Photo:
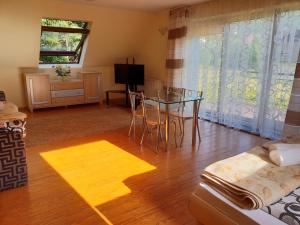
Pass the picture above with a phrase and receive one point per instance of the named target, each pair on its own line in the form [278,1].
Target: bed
[258,193]
[210,207]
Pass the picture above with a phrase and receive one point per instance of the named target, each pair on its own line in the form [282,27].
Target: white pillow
[285,154]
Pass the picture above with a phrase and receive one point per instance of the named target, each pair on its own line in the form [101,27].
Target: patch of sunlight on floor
[96,170]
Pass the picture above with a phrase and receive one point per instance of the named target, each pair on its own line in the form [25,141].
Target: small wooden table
[116,91]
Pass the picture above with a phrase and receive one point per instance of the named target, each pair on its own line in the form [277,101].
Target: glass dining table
[171,99]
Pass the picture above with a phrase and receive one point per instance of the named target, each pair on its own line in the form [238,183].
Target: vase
[63,78]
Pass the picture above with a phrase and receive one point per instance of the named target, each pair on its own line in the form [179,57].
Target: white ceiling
[149,5]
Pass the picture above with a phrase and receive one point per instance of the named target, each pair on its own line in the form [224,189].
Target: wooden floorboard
[157,197]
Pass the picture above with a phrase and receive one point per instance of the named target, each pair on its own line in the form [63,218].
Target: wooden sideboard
[44,92]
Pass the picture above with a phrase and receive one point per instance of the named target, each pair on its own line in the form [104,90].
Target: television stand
[132,87]
[116,91]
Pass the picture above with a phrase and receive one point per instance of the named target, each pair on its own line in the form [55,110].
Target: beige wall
[115,34]
[153,52]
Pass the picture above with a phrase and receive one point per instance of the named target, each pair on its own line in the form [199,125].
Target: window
[62,41]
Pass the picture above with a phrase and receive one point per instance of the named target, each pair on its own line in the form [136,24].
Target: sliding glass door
[245,52]
[203,71]
[246,71]
[284,56]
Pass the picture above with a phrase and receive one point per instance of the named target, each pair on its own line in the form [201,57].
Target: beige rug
[64,124]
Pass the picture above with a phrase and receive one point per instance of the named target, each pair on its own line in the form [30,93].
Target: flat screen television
[131,74]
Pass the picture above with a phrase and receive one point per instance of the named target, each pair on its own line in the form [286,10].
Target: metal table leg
[195,121]
[167,126]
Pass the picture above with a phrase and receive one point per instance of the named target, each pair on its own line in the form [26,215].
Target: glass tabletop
[166,97]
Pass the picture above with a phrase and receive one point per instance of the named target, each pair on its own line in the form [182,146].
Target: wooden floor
[157,196]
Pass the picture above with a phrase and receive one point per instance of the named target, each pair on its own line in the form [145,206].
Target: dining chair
[184,113]
[175,92]
[137,111]
[153,120]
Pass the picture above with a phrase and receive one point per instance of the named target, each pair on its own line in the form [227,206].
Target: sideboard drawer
[67,85]
[68,100]
[67,93]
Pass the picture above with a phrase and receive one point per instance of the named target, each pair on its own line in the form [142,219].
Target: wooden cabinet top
[36,74]
[89,72]
[71,80]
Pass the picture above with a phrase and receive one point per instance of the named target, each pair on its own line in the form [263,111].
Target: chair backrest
[133,96]
[189,106]
[155,105]
[188,92]
[186,106]
[143,105]
[174,90]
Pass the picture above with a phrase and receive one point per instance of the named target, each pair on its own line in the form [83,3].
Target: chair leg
[151,133]
[142,139]
[175,131]
[131,124]
[179,122]
[134,127]
[183,123]
[157,138]
[143,125]
[161,137]
[182,136]
[199,135]
[148,129]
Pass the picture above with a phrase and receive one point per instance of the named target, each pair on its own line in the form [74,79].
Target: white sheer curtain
[244,63]
[286,46]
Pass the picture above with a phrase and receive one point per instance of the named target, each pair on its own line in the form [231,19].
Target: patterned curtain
[292,120]
[176,46]
[242,55]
